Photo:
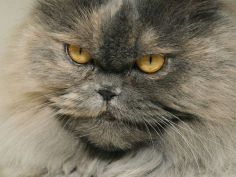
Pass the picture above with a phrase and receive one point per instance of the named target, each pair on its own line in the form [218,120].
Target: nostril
[107,94]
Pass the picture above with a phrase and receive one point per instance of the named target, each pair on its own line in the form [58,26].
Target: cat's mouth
[108,116]
[158,127]
[110,133]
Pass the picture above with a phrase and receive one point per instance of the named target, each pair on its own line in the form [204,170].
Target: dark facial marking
[119,40]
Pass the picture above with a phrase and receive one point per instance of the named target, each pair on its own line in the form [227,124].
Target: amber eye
[78,54]
[151,63]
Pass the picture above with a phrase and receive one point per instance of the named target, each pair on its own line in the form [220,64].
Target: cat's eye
[78,54]
[151,63]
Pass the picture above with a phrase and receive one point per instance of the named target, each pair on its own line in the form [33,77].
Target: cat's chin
[107,133]
[109,145]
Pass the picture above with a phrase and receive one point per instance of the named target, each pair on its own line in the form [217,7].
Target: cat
[121,88]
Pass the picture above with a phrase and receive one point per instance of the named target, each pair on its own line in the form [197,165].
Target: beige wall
[11,13]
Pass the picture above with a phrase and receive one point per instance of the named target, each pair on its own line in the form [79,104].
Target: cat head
[110,100]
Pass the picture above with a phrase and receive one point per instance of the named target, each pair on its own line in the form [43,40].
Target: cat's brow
[89,29]
[91,21]
[149,40]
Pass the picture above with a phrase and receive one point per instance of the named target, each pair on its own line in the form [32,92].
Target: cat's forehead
[110,30]
[152,12]
[120,20]
[120,30]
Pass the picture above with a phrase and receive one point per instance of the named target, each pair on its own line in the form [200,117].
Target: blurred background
[11,14]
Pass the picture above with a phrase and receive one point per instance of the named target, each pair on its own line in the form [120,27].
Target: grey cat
[121,88]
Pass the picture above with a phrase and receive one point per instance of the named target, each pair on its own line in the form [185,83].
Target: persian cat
[121,88]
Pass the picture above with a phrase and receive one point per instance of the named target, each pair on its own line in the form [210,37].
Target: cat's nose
[107,94]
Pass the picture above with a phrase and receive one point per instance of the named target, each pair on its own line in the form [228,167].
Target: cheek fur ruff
[33,143]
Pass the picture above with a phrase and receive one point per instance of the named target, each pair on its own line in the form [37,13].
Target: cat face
[110,102]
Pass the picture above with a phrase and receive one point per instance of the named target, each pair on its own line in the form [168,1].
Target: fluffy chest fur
[109,118]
